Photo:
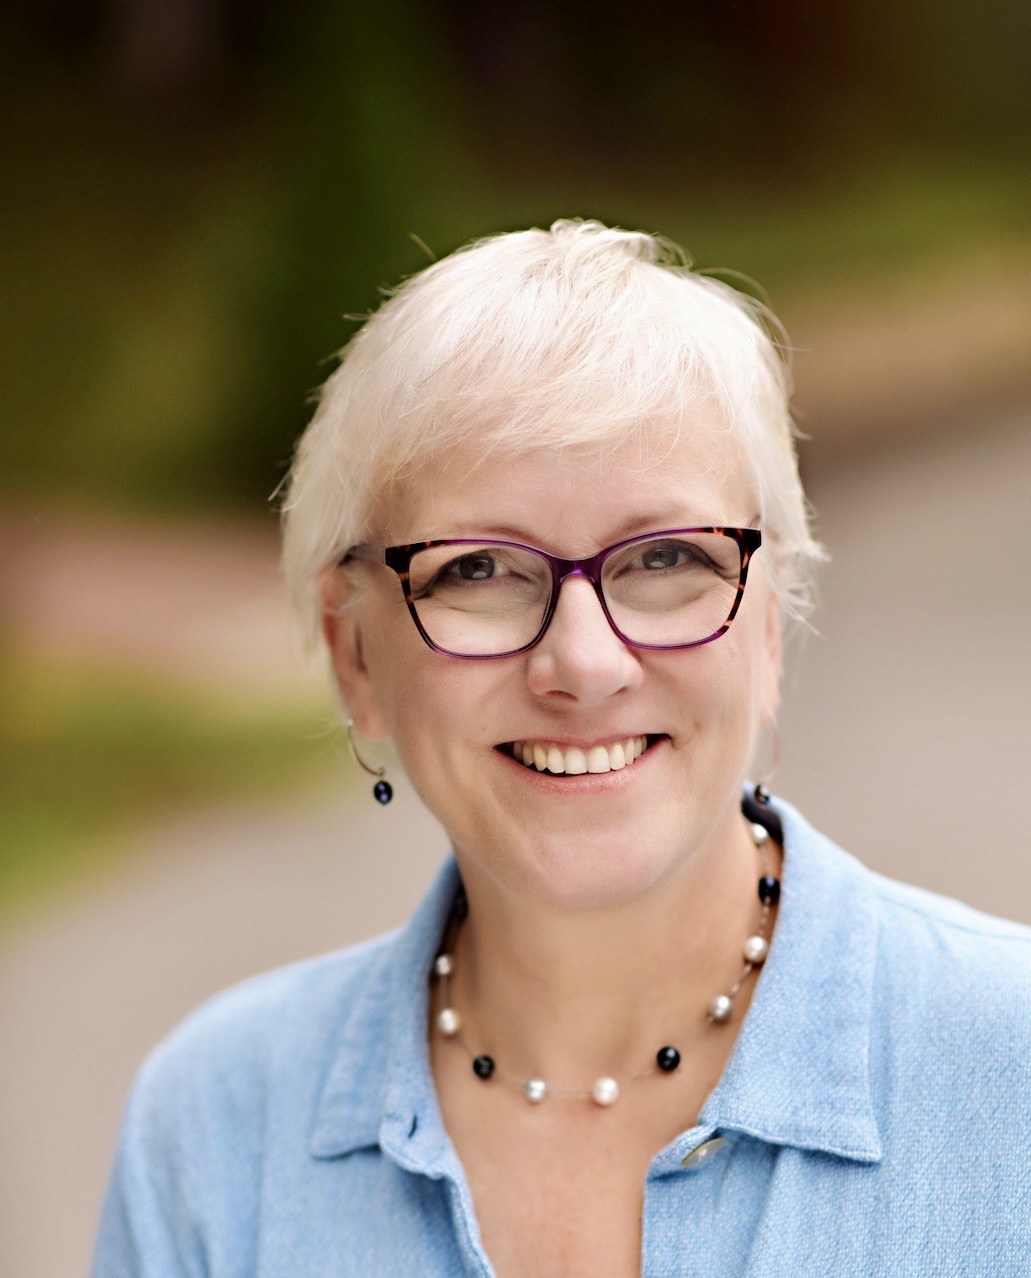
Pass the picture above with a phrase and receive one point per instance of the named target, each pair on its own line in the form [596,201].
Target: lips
[574,760]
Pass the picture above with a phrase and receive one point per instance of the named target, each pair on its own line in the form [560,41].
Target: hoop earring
[761,791]
[382,791]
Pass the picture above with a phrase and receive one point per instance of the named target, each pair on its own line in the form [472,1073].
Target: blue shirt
[875,1114]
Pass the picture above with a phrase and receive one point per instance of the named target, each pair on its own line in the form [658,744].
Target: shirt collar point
[856,1138]
[371,1095]
[326,1145]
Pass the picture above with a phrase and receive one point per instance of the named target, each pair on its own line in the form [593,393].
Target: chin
[592,871]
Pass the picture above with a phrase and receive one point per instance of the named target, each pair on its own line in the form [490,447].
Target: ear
[342,630]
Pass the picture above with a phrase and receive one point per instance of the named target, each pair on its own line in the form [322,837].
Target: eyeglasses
[473,597]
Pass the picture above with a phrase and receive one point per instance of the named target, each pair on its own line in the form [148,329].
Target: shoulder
[301,1000]
[951,1004]
[236,1082]
[279,1029]
[925,933]
[302,991]
[921,1008]
[930,938]
[947,988]
[256,1058]
[231,1113]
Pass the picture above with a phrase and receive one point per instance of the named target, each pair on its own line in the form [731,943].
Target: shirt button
[703,1151]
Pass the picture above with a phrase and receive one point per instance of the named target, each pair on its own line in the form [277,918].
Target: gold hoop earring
[382,791]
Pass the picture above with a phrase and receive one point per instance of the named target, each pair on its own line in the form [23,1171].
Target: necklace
[606,1090]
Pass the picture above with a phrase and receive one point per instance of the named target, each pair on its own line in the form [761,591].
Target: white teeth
[575,761]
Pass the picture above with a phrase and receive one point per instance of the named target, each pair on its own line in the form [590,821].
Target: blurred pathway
[210,899]
[906,718]
[905,736]
[201,601]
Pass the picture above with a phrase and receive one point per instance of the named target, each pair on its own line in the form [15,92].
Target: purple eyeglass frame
[399,559]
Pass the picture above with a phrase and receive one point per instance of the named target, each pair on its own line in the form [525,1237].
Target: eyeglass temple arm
[373,554]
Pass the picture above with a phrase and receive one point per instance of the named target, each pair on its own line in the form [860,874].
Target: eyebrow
[658,521]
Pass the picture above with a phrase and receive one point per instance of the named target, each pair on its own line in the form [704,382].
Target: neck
[569,994]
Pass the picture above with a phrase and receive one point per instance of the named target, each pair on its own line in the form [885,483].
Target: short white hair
[578,335]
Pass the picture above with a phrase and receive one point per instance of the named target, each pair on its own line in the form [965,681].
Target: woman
[548,521]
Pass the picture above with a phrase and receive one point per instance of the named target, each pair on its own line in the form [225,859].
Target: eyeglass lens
[488,599]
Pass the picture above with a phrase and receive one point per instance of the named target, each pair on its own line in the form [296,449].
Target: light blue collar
[799,1074]
[800,1071]
[379,1090]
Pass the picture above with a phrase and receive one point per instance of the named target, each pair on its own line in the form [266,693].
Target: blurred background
[200,196]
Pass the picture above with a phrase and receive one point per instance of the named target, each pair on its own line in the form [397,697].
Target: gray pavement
[208,901]
[905,737]
[906,720]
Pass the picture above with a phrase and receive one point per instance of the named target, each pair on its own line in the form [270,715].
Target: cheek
[444,718]
[721,691]
[433,706]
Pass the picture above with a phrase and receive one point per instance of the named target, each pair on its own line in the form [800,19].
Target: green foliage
[177,270]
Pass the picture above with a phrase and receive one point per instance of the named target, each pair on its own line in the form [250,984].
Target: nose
[580,657]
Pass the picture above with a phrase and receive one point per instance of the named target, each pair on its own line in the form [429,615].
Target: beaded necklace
[605,1090]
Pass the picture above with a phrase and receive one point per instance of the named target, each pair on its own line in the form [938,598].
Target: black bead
[483,1066]
[383,791]
[460,909]
[667,1059]
[769,890]
[762,795]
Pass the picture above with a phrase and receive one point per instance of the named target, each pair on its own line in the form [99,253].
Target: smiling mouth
[559,760]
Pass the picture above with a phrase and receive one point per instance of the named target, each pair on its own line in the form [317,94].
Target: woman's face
[581,841]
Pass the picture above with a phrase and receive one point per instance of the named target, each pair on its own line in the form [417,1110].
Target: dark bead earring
[382,791]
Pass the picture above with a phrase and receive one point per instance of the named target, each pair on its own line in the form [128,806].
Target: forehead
[576,500]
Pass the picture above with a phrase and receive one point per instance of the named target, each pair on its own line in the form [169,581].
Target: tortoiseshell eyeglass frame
[399,559]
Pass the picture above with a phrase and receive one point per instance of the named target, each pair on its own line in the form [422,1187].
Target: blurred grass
[89,755]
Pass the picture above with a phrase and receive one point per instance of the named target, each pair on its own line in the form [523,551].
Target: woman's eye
[664,556]
[473,567]
[477,568]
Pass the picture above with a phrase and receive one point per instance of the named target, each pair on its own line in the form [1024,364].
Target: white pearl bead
[605,1091]
[721,1007]
[535,1090]
[755,949]
[759,833]
[443,965]
[448,1022]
